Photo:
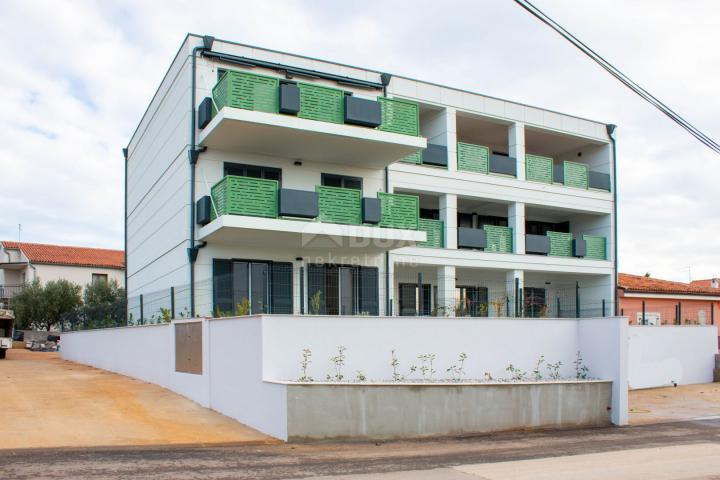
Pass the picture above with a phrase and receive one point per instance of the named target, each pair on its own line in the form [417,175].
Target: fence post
[557,302]
[712,313]
[577,299]
[679,313]
[507,306]
[603,307]
[420,294]
[517,297]
[644,320]
[142,322]
[172,302]
[302,290]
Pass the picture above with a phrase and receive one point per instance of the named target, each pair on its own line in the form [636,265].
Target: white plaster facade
[158,221]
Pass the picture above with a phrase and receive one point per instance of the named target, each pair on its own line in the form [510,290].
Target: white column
[516,147]
[387,279]
[510,278]
[297,281]
[516,221]
[441,129]
[446,291]
[451,138]
[448,214]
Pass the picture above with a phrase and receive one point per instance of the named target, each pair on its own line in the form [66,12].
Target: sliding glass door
[251,287]
[342,290]
[409,299]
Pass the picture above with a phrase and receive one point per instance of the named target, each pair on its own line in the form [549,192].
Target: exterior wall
[244,357]
[79,275]
[660,357]
[157,193]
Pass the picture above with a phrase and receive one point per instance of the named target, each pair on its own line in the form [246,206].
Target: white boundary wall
[659,356]
[245,359]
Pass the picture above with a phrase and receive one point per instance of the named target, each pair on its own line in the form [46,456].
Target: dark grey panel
[204,113]
[558,174]
[298,203]
[579,247]
[435,155]
[289,98]
[503,165]
[362,111]
[599,180]
[203,212]
[471,238]
[537,244]
[371,210]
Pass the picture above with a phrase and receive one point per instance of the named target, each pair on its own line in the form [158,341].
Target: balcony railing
[435,230]
[499,239]
[561,244]
[262,93]
[7,292]
[571,174]
[256,197]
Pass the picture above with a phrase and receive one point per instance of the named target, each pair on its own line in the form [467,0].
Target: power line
[624,79]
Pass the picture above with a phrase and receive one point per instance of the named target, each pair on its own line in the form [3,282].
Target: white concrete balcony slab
[284,233]
[286,136]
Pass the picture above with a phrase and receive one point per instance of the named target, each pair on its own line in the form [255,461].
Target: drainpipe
[125,155]
[611,133]
[385,80]
[193,154]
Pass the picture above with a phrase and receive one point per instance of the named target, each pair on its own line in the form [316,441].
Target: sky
[77,76]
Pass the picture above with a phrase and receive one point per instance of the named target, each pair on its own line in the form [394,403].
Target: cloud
[77,76]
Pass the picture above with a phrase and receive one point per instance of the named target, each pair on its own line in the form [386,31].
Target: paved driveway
[49,402]
[671,404]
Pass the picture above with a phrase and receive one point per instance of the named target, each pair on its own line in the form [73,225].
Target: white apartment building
[264,182]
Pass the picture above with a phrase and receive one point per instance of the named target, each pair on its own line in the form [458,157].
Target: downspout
[125,155]
[385,80]
[611,133]
[193,154]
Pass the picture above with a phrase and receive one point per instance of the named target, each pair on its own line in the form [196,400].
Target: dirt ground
[49,402]
[687,402]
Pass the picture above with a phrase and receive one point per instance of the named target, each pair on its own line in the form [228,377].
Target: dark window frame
[272,302]
[365,299]
[264,170]
[96,278]
[343,178]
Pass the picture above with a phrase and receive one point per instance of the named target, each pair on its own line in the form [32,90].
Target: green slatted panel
[472,158]
[596,247]
[499,239]
[248,91]
[400,116]
[538,169]
[399,211]
[254,197]
[320,103]
[560,244]
[435,232]
[340,205]
[576,174]
[415,158]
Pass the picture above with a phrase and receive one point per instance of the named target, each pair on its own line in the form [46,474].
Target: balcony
[435,231]
[7,292]
[561,244]
[258,212]
[478,159]
[258,114]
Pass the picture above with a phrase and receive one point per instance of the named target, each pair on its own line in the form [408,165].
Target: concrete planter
[387,411]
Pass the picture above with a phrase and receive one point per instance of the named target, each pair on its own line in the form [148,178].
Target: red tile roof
[641,284]
[64,255]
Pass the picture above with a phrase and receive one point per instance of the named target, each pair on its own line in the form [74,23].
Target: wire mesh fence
[653,312]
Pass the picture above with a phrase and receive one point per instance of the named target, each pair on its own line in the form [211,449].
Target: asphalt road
[325,459]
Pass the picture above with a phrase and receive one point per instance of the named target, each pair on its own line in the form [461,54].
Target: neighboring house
[22,262]
[317,187]
[651,301]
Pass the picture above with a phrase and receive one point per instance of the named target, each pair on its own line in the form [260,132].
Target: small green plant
[581,370]
[242,308]
[456,369]
[395,364]
[488,377]
[315,302]
[554,370]
[426,365]
[515,373]
[360,377]
[498,304]
[304,364]
[166,315]
[537,372]
[338,362]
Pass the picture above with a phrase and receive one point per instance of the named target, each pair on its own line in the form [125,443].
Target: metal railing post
[302,290]
[141,310]
[577,299]
[679,313]
[517,296]
[712,313]
[557,306]
[419,294]
[172,302]
[603,307]
[644,319]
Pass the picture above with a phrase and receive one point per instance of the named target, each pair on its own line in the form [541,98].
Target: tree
[42,307]
[102,293]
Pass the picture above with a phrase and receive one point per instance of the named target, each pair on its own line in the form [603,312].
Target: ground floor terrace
[231,282]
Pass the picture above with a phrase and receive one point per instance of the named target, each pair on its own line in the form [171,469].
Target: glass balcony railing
[256,197]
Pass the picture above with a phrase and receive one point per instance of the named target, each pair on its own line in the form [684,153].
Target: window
[471,301]
[341,181]
[541,228]
[99,278]
[431,213]
[409,299]
[267,286]
[254,171]
[342,290]
[534,302]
